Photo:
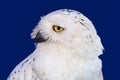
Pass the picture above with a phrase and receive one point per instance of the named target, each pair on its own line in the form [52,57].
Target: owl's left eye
[57,28]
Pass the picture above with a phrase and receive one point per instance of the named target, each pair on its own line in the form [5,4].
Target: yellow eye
[57,28]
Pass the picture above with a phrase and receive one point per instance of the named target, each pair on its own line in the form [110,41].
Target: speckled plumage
[69,55]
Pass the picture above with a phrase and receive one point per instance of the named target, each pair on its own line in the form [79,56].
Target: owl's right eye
[57,28]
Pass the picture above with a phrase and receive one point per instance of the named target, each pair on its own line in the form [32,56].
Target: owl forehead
[65,12]
[62,17]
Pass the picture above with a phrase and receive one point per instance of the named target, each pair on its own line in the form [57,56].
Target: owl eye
[57,28]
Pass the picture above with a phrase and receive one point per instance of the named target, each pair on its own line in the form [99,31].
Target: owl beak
[39,38]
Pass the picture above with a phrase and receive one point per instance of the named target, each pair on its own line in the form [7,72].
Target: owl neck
[69,49]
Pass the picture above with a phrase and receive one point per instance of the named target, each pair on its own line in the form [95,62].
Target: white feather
[69,55]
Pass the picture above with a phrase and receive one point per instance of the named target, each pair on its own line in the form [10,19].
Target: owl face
[67,27]
[58,27]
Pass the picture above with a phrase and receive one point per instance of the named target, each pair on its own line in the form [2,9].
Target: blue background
[19,17]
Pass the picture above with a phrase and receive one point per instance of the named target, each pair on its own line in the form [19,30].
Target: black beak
[39,38]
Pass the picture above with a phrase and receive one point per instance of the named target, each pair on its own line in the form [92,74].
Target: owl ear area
[37,36]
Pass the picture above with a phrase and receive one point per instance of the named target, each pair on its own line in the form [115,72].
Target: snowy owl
[67,48]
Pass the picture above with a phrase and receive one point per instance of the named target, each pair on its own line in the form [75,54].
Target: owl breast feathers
[67,48]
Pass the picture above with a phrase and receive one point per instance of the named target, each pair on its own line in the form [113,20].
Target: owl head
[69,28]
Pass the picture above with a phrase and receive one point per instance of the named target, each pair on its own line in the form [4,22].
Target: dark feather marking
[82,19]
[33,59]
[15,72]
[26,61]
[82,23]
